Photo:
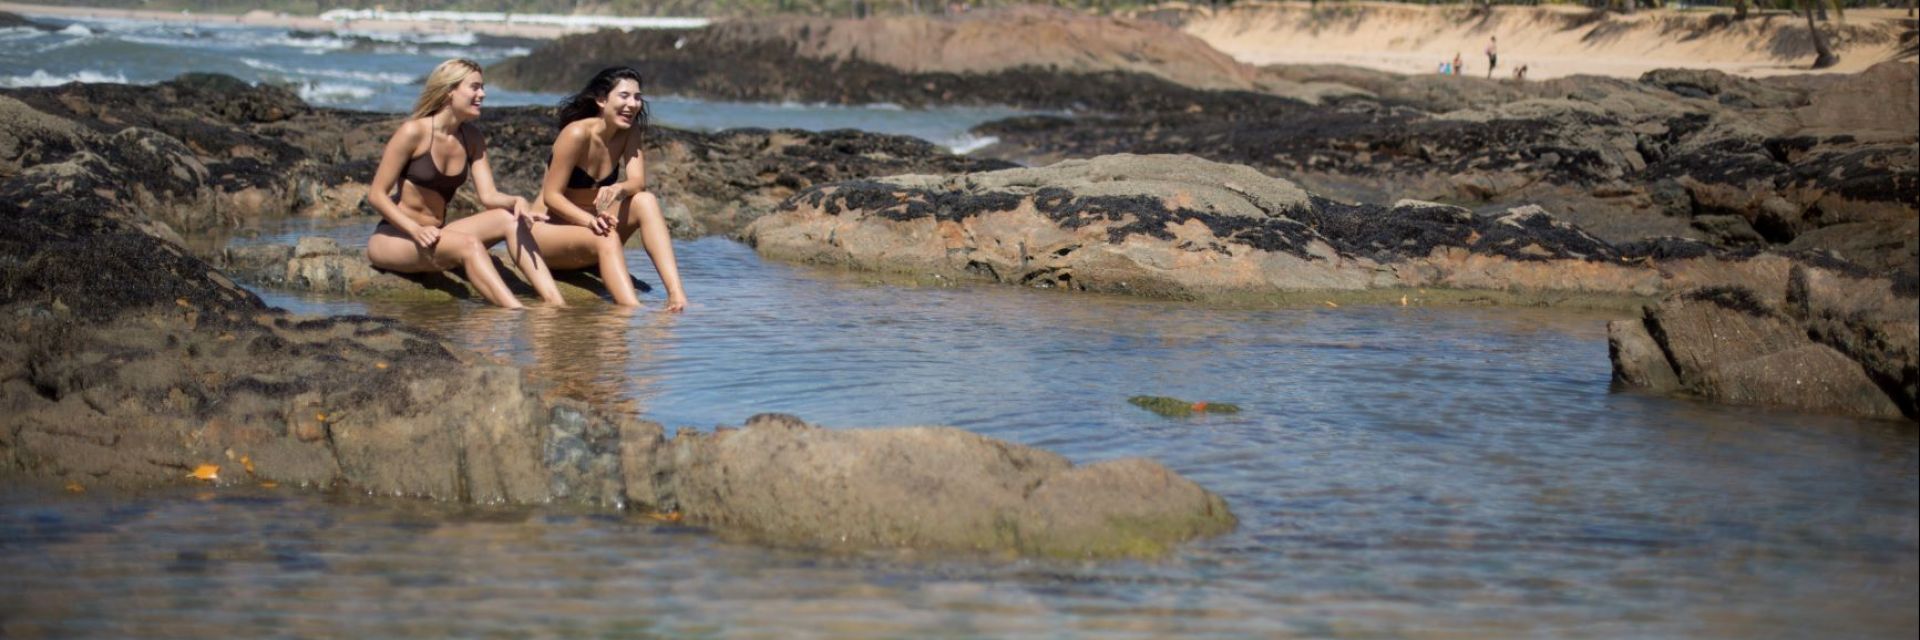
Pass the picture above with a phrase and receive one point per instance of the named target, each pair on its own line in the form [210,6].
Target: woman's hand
[607,197]
[676,302]
[425,236]
[604,223]
[525,212]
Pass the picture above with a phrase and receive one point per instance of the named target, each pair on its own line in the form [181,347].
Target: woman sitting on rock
[424,164]
[593,211]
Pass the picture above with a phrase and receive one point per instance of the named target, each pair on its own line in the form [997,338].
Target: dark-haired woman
[593,209]
[424,164]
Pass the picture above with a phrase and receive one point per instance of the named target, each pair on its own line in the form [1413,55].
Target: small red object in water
[1200,406]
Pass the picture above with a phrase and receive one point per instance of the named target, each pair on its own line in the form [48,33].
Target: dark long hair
[585,104]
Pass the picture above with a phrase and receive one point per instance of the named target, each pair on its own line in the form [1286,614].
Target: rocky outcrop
[10,20]
[1831,340]
[1185,227]
[1066,58]
[126,362]
[1735,162]
[209,152]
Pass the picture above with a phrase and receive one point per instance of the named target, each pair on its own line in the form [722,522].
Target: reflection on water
[1398,472]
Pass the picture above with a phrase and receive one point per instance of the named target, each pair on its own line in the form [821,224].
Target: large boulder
[1832,340]
[781,480]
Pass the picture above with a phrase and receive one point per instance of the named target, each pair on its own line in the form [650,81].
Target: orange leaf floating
[1332,304]
[670,516]
[206,472]
[1199,407]
[268,484]
[76,487]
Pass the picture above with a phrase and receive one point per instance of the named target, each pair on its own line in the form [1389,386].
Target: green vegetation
[1177,408]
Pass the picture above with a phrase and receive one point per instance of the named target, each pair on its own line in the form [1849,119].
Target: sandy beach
[1553,41]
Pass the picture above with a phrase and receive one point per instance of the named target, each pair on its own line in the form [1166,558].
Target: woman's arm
[636,168]
[380,192]
[567,151]
[489,195]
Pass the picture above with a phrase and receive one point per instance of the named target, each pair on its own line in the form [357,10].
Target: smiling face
[621,106]
[467,96]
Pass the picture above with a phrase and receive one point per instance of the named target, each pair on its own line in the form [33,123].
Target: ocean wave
[333,93]
[378,77]
[40,78]
[76,30]
[966,143]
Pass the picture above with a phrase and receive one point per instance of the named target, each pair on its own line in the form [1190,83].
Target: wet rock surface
[321,265]
[223,152]
[125,361]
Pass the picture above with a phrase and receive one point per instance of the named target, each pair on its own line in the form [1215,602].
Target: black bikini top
[580,179]
[423,173]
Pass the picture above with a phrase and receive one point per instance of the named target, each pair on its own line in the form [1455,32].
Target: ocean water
[1398,472]
[381,72]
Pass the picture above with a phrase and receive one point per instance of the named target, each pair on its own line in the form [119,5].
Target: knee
[608,244]
[643,205]
[464,245]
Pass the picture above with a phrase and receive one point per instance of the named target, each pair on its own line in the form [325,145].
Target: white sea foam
[966,143]
[379,77]
[334,93]
[76,30]
[40,78]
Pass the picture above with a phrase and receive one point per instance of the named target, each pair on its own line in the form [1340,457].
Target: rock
[1833,339]
[10,20]
[1069,59]
[1185,227]
[321,265]
[780,480]
[1637,359]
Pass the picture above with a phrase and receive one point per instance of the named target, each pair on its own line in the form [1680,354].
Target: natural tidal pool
[1397,471]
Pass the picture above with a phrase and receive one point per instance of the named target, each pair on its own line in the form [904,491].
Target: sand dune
[1551,41]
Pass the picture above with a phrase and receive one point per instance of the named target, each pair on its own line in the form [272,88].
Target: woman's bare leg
[394,251]
[574,247]
[642,213]
[495,225]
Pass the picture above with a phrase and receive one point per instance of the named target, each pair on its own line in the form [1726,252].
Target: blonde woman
[425,162]
[594,211]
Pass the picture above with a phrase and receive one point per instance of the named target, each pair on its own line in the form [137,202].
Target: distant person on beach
[425,163]
[593,210]
[1520,72]
[1457,63]
[1493,54]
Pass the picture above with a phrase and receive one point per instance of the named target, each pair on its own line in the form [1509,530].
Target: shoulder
[413,130]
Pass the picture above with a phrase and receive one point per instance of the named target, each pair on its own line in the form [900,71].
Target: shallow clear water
[1398,472]
[381,72]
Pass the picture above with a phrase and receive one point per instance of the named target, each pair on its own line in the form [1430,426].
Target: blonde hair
[440,85]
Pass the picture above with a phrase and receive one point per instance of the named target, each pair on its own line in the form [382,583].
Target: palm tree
[1823,55]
